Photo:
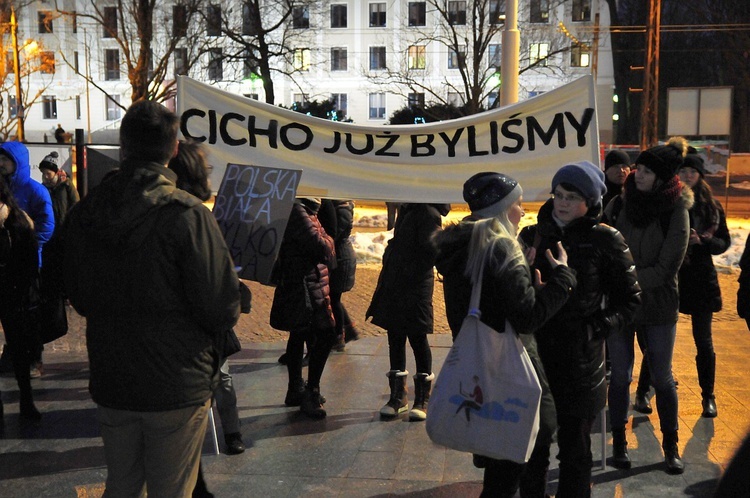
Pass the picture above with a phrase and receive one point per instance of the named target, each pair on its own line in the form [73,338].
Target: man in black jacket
[571,344]
[146,264]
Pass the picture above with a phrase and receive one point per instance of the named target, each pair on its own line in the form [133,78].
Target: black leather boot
[311,404]
[620,457]
[706,366]
[672,454]
[642,404]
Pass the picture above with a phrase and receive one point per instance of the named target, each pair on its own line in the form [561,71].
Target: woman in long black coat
[402,304]
[700,295]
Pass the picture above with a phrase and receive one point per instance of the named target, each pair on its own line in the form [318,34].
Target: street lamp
[17,71]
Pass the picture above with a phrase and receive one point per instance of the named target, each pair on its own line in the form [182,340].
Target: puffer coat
[302,297]
[403,296]
[571,344]
[698,282]
[506,295]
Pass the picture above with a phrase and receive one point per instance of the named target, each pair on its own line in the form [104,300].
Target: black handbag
[231,344]
[52,319]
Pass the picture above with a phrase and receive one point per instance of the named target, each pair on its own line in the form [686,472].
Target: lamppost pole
[509,55]
[17,72]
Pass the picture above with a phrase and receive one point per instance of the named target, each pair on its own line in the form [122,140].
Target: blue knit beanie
[585,177]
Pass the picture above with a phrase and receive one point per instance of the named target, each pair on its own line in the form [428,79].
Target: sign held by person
[252,208]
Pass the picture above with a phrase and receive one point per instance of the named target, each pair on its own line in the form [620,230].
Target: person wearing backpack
[652,194]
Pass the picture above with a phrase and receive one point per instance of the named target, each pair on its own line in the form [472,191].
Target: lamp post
[17,70]
[509,56]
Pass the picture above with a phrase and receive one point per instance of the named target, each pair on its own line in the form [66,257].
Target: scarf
[642,208]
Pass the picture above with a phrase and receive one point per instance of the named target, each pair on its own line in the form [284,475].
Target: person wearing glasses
[571,343]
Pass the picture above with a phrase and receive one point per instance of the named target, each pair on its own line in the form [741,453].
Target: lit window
[580,55]
[47,62]
[417,55]
[538,53]
[302,59]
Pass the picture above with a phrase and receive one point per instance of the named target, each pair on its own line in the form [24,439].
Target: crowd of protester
[615,255]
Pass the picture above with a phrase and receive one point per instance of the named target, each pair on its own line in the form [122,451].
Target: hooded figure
[30,195]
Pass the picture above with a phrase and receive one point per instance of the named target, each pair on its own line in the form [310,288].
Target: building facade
[370,57]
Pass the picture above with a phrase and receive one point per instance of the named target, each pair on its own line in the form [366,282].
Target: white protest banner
[529,141]
[252,208]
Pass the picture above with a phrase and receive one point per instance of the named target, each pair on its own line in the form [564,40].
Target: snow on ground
[369,243]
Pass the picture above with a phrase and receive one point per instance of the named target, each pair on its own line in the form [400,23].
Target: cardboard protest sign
[252,208]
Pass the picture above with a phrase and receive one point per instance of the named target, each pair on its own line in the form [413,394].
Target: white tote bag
[486,397]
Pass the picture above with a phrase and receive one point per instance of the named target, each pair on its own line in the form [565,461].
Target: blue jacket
[30,195]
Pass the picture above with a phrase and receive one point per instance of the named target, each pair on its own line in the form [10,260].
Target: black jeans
[502,478]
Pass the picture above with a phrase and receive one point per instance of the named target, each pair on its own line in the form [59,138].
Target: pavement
[352,452]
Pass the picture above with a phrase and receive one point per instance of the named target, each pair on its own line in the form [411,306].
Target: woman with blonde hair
[486,241]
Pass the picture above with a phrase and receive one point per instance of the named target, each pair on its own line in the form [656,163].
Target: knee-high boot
[706,366]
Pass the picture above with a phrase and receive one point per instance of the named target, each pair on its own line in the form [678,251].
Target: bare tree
[148,36]
[270,39]
[471,38]
[32,65]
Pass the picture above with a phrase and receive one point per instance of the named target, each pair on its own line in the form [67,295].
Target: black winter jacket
[507,295]
[147,266]
[302,297]
[337,218]
[403,296]
[697,280]
[571,344]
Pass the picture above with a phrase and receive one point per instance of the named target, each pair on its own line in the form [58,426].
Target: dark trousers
[319,342]
[574,442]
[502,478]
[419,344]
[21,342]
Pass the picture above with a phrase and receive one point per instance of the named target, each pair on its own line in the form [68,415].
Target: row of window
[49,107]
[417,16]
[416,60]
[417,57]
